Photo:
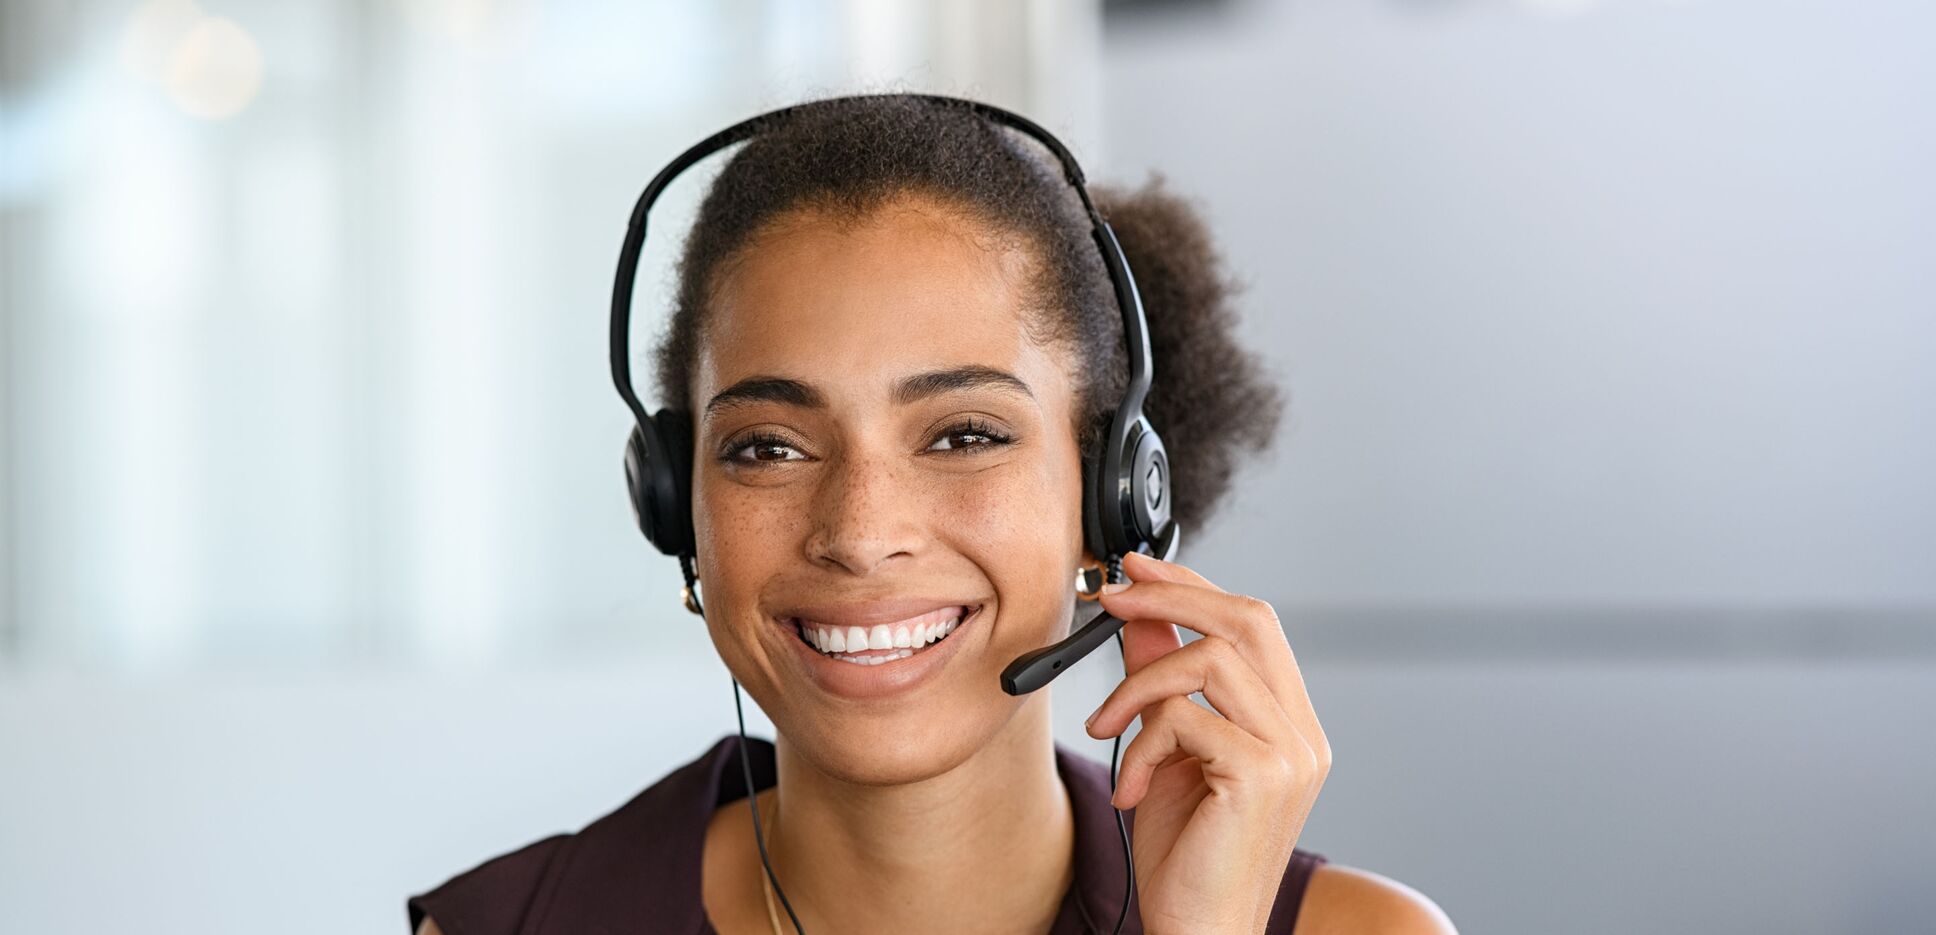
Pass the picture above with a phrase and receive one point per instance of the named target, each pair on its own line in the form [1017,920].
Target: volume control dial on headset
[1149,479]
[1138,511]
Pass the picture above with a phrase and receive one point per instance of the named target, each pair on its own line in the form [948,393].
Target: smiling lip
[874,682]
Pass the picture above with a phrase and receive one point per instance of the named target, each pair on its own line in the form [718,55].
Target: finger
[1145,641]
[1245,622]
[1226,753]
[1210,665]
[1241,619]
[1141,567]
[1248,623]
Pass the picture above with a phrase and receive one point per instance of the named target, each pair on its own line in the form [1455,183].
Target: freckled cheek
[1017,530]
[744,537]
[998,513]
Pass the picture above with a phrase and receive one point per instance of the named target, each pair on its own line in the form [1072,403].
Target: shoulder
[1342,899]
[489,898]
[563,882]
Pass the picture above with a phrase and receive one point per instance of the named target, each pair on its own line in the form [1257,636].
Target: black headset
[1126,500]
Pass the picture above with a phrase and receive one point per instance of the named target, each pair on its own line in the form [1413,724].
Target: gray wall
[1632,307]
[1602,520]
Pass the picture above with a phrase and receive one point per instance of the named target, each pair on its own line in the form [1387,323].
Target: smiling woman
[899,349]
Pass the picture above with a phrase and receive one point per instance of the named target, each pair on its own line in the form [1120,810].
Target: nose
[863,516]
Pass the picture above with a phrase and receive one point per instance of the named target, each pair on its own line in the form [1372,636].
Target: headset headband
[1135,325]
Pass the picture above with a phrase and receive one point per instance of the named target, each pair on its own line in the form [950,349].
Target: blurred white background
[1600,522]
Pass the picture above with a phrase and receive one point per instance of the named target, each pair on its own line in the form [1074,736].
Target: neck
[988,846]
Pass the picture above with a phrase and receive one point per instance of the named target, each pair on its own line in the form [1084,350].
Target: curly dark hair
[844,158]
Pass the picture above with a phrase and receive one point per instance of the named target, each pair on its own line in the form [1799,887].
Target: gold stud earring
[691,600]
[1089,581]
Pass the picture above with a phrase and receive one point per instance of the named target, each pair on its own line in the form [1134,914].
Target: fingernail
[1116,587]
[1092,717]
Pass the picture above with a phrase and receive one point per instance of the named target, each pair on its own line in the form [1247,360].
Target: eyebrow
[912,389]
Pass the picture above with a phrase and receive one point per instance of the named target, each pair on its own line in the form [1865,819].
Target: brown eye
[984,436]
[768,449]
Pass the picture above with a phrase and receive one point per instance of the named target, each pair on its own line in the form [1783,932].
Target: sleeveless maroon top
[637,868]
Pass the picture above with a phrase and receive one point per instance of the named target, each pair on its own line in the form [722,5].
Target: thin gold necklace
[772,915]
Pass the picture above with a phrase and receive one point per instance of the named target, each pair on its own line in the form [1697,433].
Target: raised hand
[1221,796]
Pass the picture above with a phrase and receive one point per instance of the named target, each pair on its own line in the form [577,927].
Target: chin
[890,752]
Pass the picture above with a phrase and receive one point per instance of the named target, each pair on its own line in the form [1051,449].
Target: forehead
[853,307]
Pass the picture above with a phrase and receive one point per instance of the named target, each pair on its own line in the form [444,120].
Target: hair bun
[1210,399]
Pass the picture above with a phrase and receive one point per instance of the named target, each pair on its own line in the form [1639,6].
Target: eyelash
[965,427]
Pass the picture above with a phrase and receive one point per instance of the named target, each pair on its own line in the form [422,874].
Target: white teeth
[907,639]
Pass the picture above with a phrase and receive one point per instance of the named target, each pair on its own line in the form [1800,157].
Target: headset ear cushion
[675,430]
[660,486]
[1093,506]
[636,483]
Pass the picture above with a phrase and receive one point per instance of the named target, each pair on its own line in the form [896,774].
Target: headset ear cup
[1129,490]
[659,485]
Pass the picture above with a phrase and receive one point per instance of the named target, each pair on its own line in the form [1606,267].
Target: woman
[863,242]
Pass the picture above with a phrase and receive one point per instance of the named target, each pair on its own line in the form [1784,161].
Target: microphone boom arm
[1037,668]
